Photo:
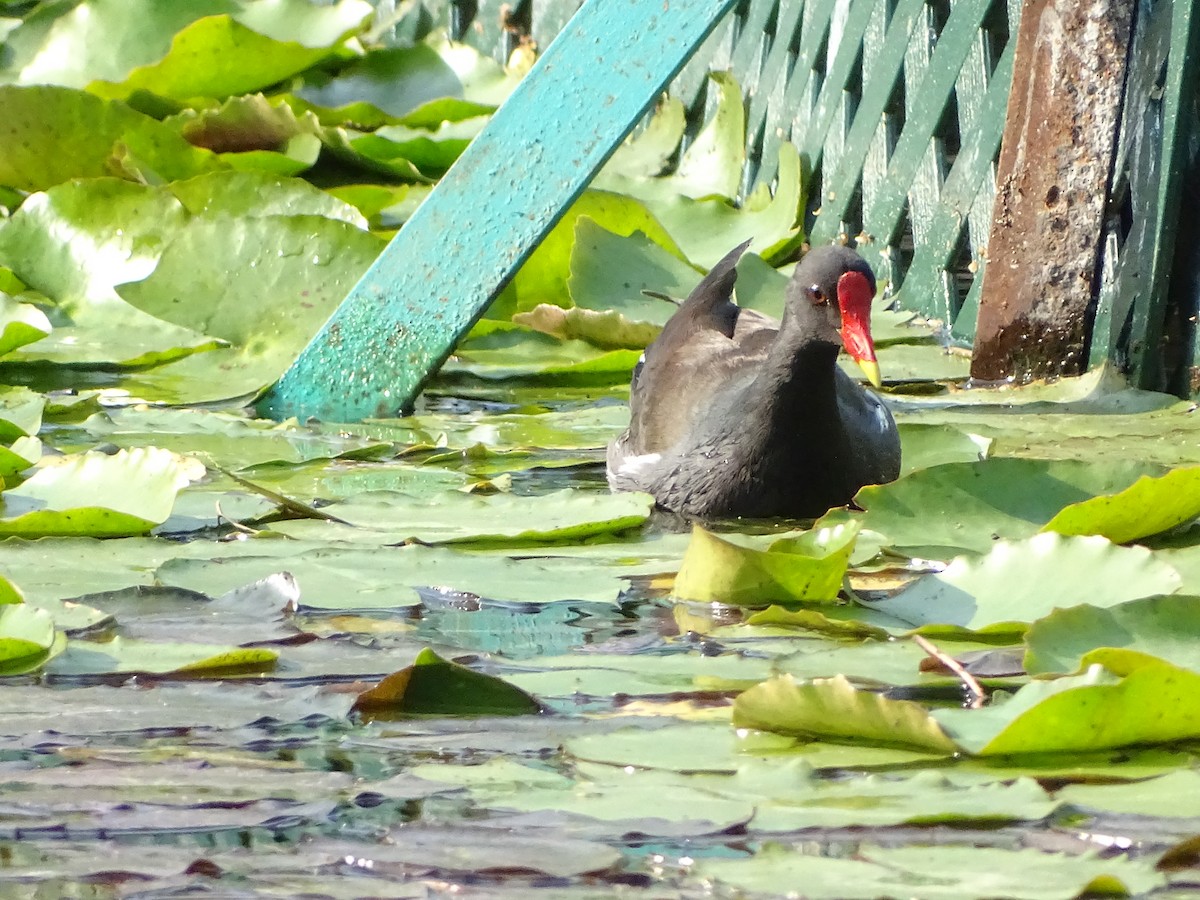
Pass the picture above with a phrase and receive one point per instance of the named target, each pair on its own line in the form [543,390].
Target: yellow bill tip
[870,368]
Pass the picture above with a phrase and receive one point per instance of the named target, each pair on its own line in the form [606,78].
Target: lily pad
[52,134]
[832,709]
[986,501]
[248,194]
[102,496]
[544,275]
[128,657]
[26,637]
[942,871]
[1120,638]
[1020,581]
[809,567]
[20,324]
[389,518]
[20,412]
[217,56]
[226,276]
[610,272]
[75,243]
[107,38]
[1154,704]
[435,686]
[1146,507]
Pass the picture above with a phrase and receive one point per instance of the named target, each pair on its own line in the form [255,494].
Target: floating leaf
[9,592]
[986,501]
[610,272]
[226,276]
[809,567]
[1154,704]
[607,330]
[75,243]
[543,277]
[128,656]
[107,38]
[49,135]
[20,412]
[18,457]
[93,494]
[1020,581]
[435,686]
[647,153]
[20,324]
[385,517]
[1146,507]
[27,636]
[932,872]
[833,709]
[216,57]
[926,446]
[1121,638]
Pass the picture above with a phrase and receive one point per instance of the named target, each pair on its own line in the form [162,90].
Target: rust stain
[1054,168]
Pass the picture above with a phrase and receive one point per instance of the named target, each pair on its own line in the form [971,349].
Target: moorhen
[735,414]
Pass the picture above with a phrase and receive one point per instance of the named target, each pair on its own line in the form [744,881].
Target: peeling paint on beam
[1052,179]
[515,180]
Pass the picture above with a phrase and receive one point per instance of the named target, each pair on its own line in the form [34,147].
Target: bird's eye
[816,295]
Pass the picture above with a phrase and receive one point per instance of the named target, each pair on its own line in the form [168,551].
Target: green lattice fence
[897,108]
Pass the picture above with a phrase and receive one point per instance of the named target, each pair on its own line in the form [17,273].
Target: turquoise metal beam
[515,180]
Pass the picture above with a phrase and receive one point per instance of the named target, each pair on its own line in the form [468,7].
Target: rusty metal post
[1052,179]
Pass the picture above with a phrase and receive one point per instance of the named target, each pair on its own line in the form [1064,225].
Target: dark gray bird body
[734,414]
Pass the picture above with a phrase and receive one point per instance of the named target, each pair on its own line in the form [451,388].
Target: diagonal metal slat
[511,185]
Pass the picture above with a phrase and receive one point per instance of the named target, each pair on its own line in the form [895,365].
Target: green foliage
[192,599]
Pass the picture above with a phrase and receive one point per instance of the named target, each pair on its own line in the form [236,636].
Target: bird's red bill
[854,299]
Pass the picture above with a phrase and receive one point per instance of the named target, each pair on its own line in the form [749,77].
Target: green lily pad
[1146,507]
[1020,581]
[606,330]
[226,276]
[388,518]
[926,446]
[387,84]
[337,577]
[610,272]
[256,195]
[435,686]
[833,709]
[647,153]
[20,324]
[932,872]
[1120,638]
[107,38]
[10,593]
[296,155]
[543,277]
[19,456]
[1151,797]
[102,496]
[27,638]
[707,229]
[75,243]
[128,656]
[52,134]
[1154,704]
[217,56]
[809,567]
[20,412]
[518,352]
[229,441]
[986,501]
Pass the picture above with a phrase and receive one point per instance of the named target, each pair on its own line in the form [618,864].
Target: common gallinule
[735,414]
